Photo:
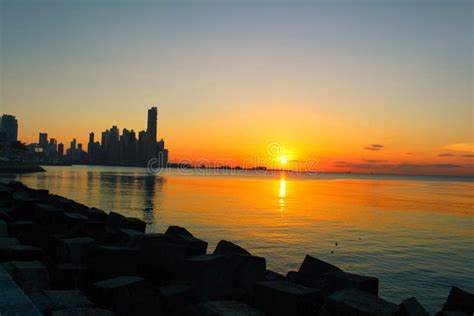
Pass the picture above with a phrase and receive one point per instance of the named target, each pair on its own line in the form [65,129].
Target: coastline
[89,256]
[11,167]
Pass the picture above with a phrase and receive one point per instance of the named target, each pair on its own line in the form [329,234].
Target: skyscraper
[151,125]
[60,151]
[43,140]
[90,145]
[52,149]
[9,129]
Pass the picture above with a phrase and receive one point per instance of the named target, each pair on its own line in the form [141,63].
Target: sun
[283,160]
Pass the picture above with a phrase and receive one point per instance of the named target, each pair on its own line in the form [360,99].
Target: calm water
[415,234]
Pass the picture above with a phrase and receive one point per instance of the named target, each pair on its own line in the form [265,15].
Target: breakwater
[69,258]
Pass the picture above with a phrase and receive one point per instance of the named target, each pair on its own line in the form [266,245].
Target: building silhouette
[8,129]
[113,149]
[8,134]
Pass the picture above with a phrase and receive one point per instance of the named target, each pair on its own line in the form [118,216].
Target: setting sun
[283,160]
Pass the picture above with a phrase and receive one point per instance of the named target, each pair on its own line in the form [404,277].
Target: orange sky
[323,81]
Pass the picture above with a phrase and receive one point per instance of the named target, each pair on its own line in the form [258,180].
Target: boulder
[76,250]
[26,232]
[225,308]
[3,228]
[23,205]
[292,276]
[356,302]
[225,247]
[194,246]
[312,270]
[112,261]
[125,235]
[411,307]
[160,256]
[459,300]
[95,214]
[68,204]
[273,276]
[127,295]
[44,214]
[67,220]
[6,215]
[336,281]
[50,301]
[116,221]
[212,276]
[92,229]
[71,276]
[249,270]
[8,242]
[286,298]
[176,231]
[175,298]
[5,197]
[42,194]
[13,300]
[31,276]
[21,253]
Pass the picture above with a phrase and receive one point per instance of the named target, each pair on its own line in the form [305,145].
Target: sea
[414,233]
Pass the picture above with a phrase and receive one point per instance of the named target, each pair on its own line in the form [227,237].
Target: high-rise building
[73,145]
[141,146]
[114,141]
[60,151]
[90,145]
[151,125]
[52,149]
[43,138]
[8,129]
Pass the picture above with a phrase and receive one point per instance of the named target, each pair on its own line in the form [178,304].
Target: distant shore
[9,167]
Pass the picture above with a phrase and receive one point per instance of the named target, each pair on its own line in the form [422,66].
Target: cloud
[464,147]
[400,167]
[375,160]
[374,147]
[455,155]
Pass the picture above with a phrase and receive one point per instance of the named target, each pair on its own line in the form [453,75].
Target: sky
[360,86]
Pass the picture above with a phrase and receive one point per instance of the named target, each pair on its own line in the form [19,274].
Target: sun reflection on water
[282,194]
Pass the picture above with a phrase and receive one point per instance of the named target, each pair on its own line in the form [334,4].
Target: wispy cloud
[456,155]
[374,147]
[464,147]
[375,160]
[399,167]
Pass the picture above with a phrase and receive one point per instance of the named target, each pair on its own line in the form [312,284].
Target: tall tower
[90,145]
[9,128]
[151,126]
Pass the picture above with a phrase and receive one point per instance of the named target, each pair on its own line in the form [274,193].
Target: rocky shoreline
[60,257]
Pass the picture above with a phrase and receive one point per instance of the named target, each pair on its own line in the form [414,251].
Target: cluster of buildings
[114,148]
